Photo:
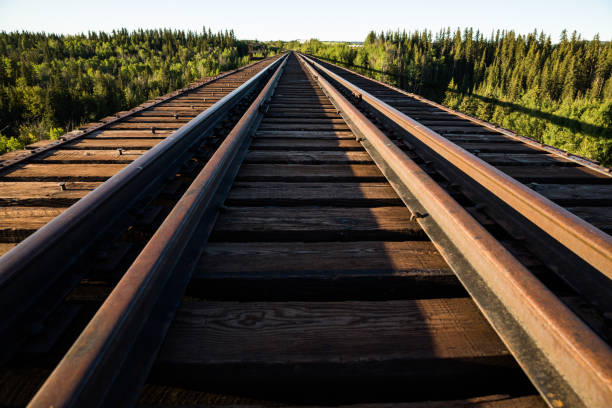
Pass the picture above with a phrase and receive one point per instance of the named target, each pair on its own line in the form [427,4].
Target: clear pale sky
[325,20]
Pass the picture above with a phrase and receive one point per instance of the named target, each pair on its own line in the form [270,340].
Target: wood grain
[315,223]
[63,172]
[298,172]
[279,193]
[263,334]
[325,259]
[43,193]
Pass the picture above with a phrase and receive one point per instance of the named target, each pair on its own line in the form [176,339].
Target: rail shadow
[573,124]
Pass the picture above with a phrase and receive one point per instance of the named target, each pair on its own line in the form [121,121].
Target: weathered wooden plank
[303,98]
[43,193]
[278,114]
[334,134]
[289,109]
[260,143]
[179,108]
[550,174]
[308,157]
[453,122]
[302,120]
[303,126]
[16,223]
[13,154]
[240,224]
[276,193]
[160,113]
[153,120]
[112,133]
[493,147]
[467,138]
[152,394]
[601,217]
[89,156]
[261,260]
[475,129]
[329,339]
[518,159]
[126,125]
[5,247]
[63,172]
[575,195]
[117,143]
[321,172]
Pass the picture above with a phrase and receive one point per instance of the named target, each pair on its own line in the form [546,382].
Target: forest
[51,83]
[559,93]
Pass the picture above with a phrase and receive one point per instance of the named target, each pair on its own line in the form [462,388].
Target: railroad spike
[414,215]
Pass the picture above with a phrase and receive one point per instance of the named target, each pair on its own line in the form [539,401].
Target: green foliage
[9,143]
[51,82]
[560,94]
[55,133]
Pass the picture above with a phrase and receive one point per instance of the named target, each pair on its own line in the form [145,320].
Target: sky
[326,20]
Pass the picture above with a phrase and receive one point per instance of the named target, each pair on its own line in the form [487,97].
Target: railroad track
[38,185]
[327,251]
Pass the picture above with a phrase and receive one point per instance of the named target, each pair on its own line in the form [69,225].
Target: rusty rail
[580,237]
[25,268]
[569,364]
[583,161]
[82,377]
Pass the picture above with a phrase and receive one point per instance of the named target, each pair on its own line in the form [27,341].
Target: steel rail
[79,134]
[81,377]
[34,265]
[583,161]
[583,239]
[577,356]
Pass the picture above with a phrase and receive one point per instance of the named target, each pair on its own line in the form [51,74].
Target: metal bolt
[153,129]
[176,116]
[416,215]
[120,151]
[62,186]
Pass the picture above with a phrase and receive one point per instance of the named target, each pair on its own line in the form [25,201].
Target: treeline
[50,82]
[559,93]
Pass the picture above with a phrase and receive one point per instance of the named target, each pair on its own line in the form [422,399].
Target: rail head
[573,354]
[583,239]
[81,378]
